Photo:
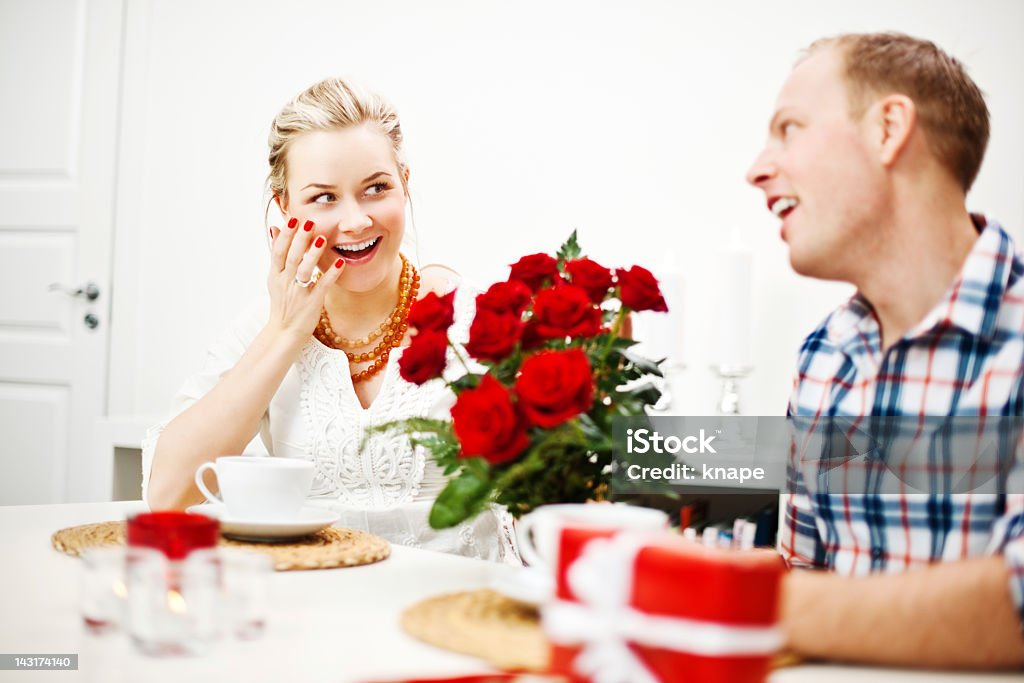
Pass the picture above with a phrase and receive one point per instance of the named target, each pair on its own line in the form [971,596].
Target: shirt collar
[970,304]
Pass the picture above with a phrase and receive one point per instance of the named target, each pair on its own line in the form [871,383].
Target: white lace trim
[386,488]
[376,471]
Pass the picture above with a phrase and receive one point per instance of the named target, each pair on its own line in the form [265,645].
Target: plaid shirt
[966,357]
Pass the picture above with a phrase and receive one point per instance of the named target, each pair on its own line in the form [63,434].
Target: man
[872,148]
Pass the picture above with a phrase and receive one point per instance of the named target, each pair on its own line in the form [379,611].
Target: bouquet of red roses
[536,426]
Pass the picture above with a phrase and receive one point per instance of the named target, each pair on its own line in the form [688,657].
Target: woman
[313,365]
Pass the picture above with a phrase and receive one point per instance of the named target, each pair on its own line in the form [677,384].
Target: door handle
[89,290]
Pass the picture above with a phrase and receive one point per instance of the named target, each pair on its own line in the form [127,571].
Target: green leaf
[443,447]
[442,444]
[412,425]
[505,371]
[648,393]
[597,438]
[627,407]
[552,471]
[569,250]
[467,381]
[608,384]
[622,342]
[464,496]
[645,365]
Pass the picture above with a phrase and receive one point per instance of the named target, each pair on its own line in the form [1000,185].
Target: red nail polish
[308,226]
[339,262]
[292,222]
[319,242]
[271,233]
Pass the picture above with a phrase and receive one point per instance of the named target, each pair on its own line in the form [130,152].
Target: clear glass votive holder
[174,533]
[173,605]
[104,588]
[244,590]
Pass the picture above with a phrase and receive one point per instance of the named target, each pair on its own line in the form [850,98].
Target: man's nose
[762,170]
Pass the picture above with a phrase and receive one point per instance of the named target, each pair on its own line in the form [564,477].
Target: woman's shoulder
[242,325]
[439,279]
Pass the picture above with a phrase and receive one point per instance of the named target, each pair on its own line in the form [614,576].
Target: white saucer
[309,520]
[531,586]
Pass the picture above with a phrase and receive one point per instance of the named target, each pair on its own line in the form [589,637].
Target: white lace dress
[387,487]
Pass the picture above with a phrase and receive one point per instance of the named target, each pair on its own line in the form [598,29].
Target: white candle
[666,329]
[672,289]
[661,334]
[734,268]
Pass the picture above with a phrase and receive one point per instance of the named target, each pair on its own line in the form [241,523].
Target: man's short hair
[950,106]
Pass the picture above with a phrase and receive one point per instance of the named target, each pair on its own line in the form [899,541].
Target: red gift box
[658,608]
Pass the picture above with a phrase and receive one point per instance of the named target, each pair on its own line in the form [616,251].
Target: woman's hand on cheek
[295,299]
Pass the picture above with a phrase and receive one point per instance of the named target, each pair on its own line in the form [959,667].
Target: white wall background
[633,122]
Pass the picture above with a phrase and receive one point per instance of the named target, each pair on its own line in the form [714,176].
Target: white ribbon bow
[604,623]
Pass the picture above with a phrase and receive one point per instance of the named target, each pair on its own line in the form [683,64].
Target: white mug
[259,487]
[539,532]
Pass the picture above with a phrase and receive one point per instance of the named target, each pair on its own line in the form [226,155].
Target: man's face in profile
[817,170]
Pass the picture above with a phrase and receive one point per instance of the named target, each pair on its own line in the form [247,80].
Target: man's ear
[895,118]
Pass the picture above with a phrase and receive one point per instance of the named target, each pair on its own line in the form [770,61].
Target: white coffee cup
[539,532]
[259,487]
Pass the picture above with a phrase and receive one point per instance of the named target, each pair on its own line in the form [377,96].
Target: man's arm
[951,615]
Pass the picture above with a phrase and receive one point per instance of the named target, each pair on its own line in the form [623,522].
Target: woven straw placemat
[482,623]
[502,631]
[327,548]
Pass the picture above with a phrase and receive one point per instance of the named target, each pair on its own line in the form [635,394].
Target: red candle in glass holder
[175,534]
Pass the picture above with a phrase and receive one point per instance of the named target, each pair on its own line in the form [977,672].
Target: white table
[325,625]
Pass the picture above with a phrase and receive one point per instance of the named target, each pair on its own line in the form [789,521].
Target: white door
[59,74]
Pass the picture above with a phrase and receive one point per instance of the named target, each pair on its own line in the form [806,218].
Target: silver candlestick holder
[730,374]
[669,403]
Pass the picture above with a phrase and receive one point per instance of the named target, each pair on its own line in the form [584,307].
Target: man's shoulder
[1013,297]
[818,337]
[824,354]
[835,326]
[1000,295]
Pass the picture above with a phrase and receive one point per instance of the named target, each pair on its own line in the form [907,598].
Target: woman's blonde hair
[331,104]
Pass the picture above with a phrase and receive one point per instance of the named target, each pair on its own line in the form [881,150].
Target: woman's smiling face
[348,183]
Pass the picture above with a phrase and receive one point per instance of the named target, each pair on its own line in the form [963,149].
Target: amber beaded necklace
[392,330]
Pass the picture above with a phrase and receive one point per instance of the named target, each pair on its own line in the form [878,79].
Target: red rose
[531,338]
[487,424]
[433,312]
[639,290]
[555,386]
[424,358]
[565,311]
[534,270]
[504,297]
[492,336]
[591,276]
